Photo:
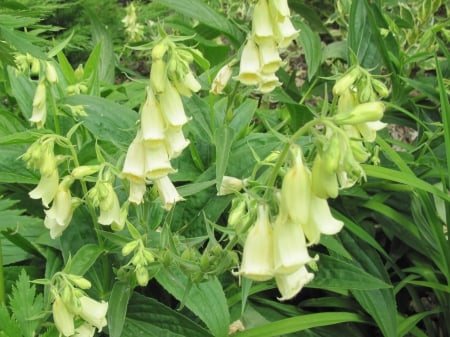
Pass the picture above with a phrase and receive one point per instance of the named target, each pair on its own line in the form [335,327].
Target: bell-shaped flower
[320,221]
[269,57]
[290,285]
[137,191]
[39,113]
[85,330]
[175,141]
[257,259]
[109,207]
[268,83]
[62,317]
[58,217]
[279,9]
[46,189]
[289,246]
[188,85]
[261,22]
[134,164]
[172,106]
[152,122]
[93,312]
[157,163]
[369,130]
[324,183]
[167,192]
[249,70]
[285,32]
[296,189]
[221,79]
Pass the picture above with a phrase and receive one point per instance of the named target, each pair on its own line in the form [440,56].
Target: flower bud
[380,88]
[148,255]
[159,50]
[362,113]
[172,106]
[324,183]
[84,171]
[158,76]
[79,73]
[79,281]
[238,210]
[35,66]
[129,247]
[346,81]
[332,154]
[50,73]
[39,114]
[221,79]
[142,275]
[230,185]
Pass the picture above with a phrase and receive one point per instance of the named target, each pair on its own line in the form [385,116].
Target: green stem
[2,280]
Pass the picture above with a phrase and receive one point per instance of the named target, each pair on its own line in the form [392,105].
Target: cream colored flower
[157,163]
[137,191]
[46,189]
[289,246]
[188,85]
[134,164]
[257,259]
[269,57]
[221,79]
[39,113]
[324,183]
[85,330]
[172,106]
[167,192]
[58,217]
[249,71]
[296,189]
[369,130]
[230,185]
[320,221]
[261,23]
[62,317]
[175,141]
[290,285]
[268,83]
[109,207]
[93,312]
[279,9]
[153,126]
[285,32]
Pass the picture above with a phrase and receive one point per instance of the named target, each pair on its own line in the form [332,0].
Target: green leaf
[23,91]
[312,46]
[224,141]
[12,168]
[84,258]
[118,302]
[104,117]
[206,300]
[337,274]
[26,306]
[300,323]
[199,10]
[148,317]
[9,327]
[60,46]
[21,41]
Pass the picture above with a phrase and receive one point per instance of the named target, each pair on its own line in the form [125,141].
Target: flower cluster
[47,76]
[272,30]
[142,257]
[134,29]
[160,136]
[278,249]
[71,304]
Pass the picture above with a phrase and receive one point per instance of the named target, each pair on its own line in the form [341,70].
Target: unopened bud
[84,171]
[148,255]
[159,50]
[230,185]
[35,66]
[79,73]
[380,88]
[79,281]
[142,276]
[332,154]
[50,73]
[346,81]
[129,247]
[158,76]
[221,79]
[362,113]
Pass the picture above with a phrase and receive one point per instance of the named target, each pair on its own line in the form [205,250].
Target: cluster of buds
[142,257]
[272,30]
[134,30]
[47,75]
[40,155]
[70,304]
[160,136]
[278,249]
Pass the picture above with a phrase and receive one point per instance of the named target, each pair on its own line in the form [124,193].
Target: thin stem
[55,112]
[2,279]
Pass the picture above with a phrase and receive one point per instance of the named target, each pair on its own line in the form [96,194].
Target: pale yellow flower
[221,79]
[46,189]
[157,163]
[152,123]
[269,57]
[93,312]
[62,317]
[167,192]
[249,71]
[290,285]
[175,141]
[58,217]
[39,113]
[285,32]
[262,24]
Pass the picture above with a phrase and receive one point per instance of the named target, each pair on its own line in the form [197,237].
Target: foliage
[159,256]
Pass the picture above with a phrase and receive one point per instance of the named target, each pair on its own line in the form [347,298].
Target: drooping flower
[289,246]
[175,141]
[285,32]
[257,260]
[109,206]
[324,183]
[270,60]
[62,317]
[39,113]
[296,189]
[167,192]
[261,24]
[221,79]
[157,163]
[279,9]
[321,221]
[268,83]
[290,285]
[85,330]
[153,125]
[46,188]
[134,169]
[230,185]
[58,217]
[93,312]
[172,106]
[249,71]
